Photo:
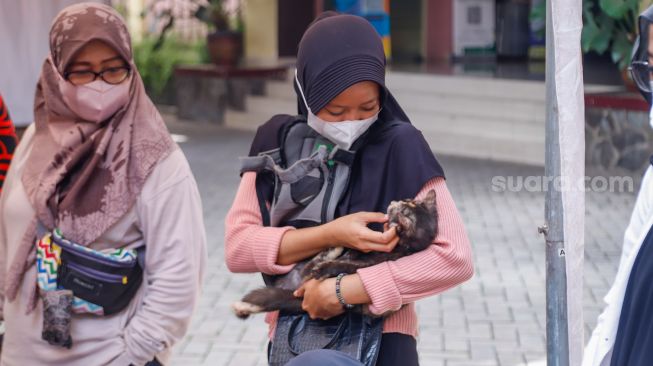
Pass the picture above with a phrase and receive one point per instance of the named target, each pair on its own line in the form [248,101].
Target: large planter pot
[225,48]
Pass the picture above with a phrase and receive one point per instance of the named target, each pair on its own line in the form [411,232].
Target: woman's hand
[351,231]
[320,301]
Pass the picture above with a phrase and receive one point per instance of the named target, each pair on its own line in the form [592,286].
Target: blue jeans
[324,357]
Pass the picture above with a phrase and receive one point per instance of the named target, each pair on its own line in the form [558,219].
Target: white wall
[24,28]
[261,30]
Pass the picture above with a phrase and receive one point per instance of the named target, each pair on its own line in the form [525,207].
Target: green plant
[611,25]
[215,13]
[156,64]
[219,16]
[537,18]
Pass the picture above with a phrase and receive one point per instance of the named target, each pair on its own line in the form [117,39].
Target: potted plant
[611,25]
[225,42]
[223,17]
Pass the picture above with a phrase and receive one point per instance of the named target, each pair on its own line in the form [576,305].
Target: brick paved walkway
[497,318]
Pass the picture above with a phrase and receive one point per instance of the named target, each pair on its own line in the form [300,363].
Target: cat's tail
[267,299]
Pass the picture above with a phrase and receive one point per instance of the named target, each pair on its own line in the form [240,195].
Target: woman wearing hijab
[99,165]
[7,141]
[624,330]
[340,84]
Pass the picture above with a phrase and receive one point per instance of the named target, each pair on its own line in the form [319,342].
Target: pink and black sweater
[251,247]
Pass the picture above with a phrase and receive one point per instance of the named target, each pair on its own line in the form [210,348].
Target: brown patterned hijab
[84,176]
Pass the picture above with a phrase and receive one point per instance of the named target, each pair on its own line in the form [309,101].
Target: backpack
[310,176]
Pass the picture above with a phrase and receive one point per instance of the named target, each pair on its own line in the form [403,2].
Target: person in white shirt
[624,332]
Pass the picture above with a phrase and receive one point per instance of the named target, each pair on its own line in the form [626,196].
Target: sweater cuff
[381,289]
[266,250]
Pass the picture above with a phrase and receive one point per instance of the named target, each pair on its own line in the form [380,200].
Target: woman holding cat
[340,83]
[99,165]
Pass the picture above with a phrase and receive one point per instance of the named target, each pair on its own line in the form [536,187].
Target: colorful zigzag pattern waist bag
[76,279]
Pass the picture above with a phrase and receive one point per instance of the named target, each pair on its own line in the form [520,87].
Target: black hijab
[394,160]
[640,49]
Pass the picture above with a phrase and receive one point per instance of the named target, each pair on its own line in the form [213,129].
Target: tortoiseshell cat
[416,225]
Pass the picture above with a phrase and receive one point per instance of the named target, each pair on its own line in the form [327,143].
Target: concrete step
[466,87]
[518,145]
[439,94]
[491,128]
[467,116]
[259,111]
[487,148]
[475,117]
[482,108]
[280,90]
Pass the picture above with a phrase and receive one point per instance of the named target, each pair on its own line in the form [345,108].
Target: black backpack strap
[260,194]
[140,256]
[343,156]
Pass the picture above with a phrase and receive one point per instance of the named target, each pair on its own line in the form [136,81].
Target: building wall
[261,29]
[438,30]
[406,30]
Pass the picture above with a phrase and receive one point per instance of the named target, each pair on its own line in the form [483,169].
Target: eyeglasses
[641,73]
[112,75]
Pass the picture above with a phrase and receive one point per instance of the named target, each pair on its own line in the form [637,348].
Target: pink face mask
[95,101]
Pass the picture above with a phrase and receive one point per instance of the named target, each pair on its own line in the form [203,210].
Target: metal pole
[557,338]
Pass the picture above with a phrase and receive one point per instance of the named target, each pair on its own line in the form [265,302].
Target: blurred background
[470,75]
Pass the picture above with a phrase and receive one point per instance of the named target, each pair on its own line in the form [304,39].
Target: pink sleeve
[250,246]
[445,264]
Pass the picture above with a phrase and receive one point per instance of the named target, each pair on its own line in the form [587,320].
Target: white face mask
[342,133]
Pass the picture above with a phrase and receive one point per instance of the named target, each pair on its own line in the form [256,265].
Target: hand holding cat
[320,301]
[351,231]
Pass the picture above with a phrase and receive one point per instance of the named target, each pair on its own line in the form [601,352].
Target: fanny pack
[75,279]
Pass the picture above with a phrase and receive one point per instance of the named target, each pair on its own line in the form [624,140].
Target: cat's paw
[326,270]
[244,309]
[317,273]
[306,272]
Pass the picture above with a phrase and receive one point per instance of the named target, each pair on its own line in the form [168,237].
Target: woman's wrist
[329,235]
[339,296]
[299,244]
[352,290]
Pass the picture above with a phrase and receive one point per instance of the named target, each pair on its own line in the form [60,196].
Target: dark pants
[396,349]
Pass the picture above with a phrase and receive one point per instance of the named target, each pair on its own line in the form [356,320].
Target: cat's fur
[416,225]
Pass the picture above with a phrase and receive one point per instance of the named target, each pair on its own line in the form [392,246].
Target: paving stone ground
[497,318]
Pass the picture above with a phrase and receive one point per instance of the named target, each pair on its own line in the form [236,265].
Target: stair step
[525,112]
[259,111]
[496,128]
[470,88]
[483,147]
[466,116]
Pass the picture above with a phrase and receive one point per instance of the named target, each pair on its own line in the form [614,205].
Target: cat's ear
[429,201]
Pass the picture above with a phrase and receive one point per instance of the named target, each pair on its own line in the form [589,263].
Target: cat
[416,225]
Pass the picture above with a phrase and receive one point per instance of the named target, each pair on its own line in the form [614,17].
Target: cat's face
[414,220]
